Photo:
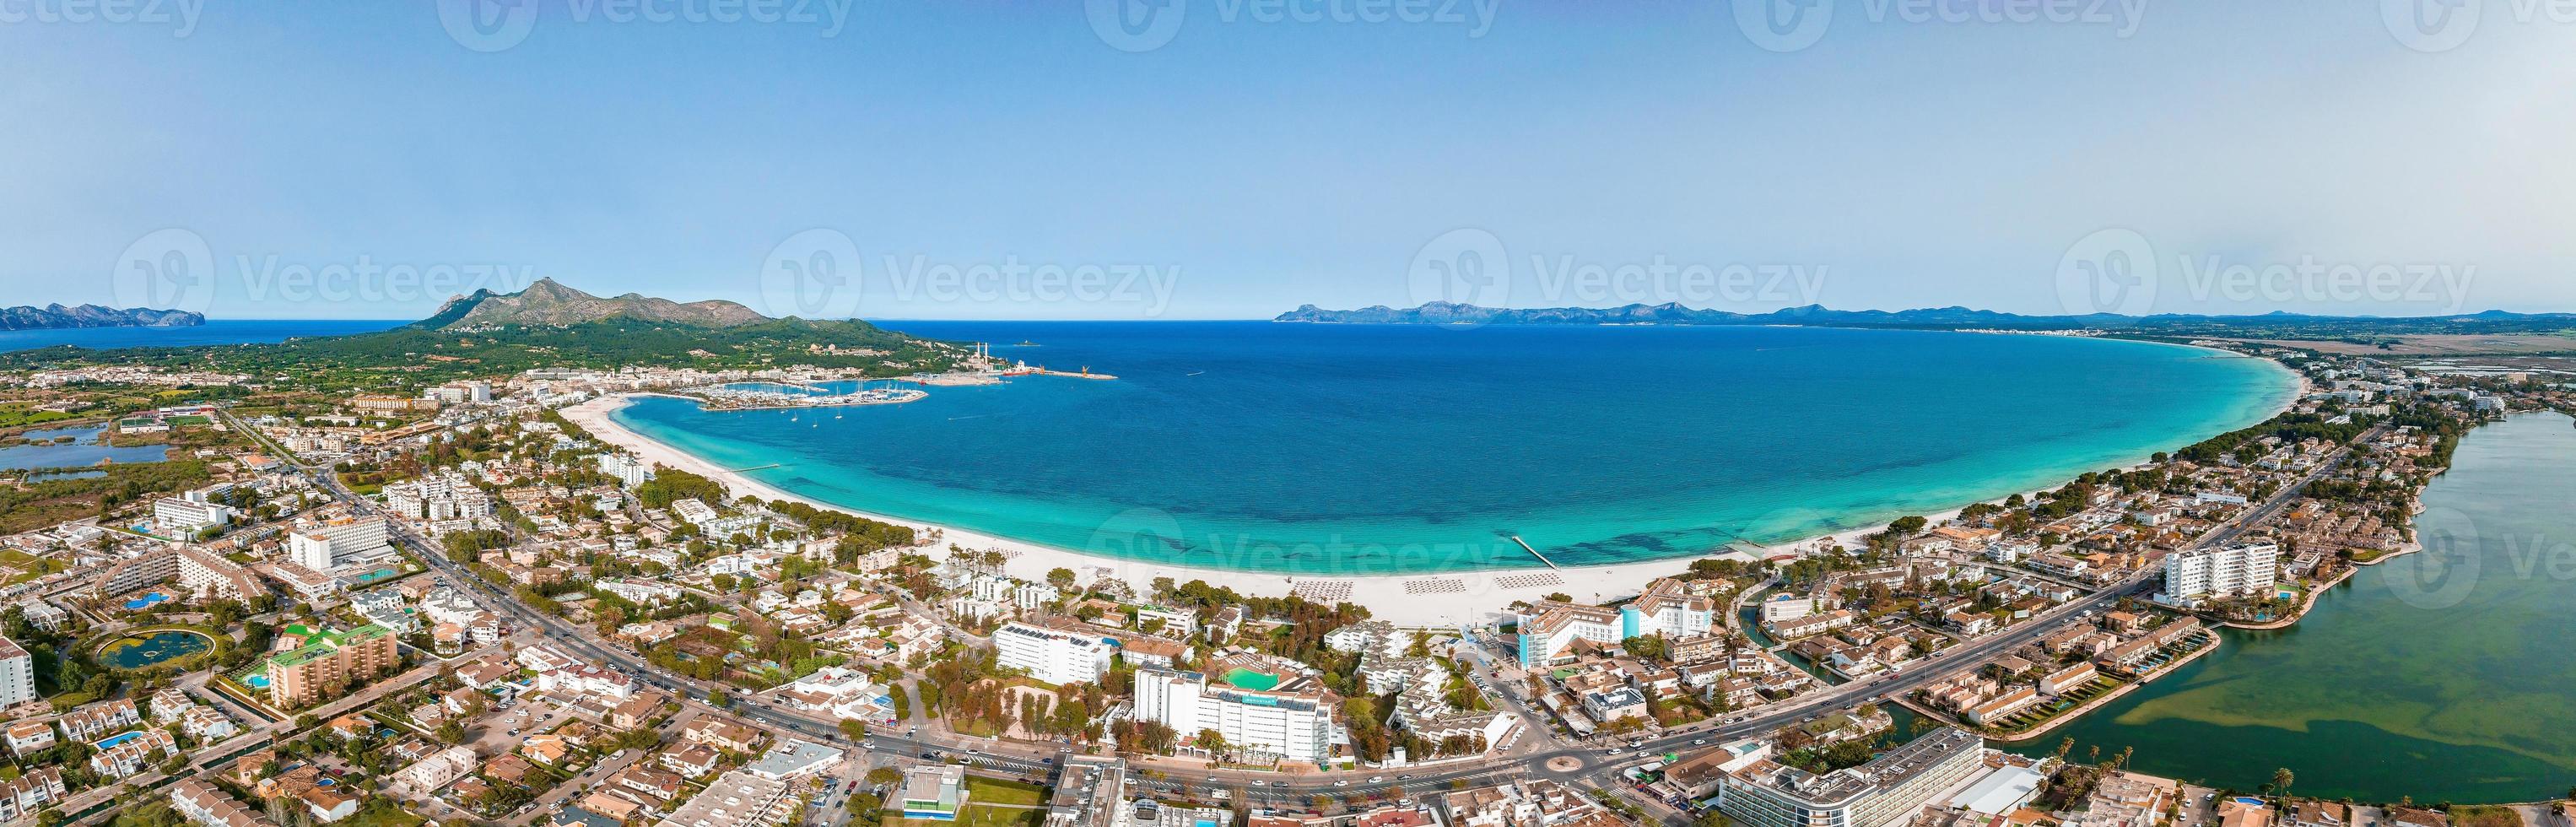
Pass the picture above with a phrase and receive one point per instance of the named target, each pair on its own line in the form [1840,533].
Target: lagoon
[2445,675]
[1369,449]
[84,449]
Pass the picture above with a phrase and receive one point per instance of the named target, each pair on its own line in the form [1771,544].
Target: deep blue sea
[213,332]
[1380,449]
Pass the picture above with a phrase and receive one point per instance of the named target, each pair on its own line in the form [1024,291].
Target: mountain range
[549,303]
[48,317]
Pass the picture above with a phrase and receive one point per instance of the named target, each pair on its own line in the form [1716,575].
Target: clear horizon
[1227,160]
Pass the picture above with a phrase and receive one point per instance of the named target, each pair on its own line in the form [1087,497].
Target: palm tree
[2281,779]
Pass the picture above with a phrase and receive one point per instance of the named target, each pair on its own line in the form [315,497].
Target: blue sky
[983,159]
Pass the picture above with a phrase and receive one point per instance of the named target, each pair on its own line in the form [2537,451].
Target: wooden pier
[1525,546]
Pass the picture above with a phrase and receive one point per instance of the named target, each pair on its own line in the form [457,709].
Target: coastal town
[482,602]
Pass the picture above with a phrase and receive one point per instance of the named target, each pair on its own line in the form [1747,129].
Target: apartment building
[324,547]
[2195,577]
[202,804]
[1286,721]
[95,721]
[184,518]
[1888,790]
[17,674]
[31,793]
[1051,655]
[1091,792]
[1667,608]
[212,576]
[139,751]
[1550,630]
[331,663]
[736,799]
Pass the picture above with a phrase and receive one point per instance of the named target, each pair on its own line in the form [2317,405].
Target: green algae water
[1385,449]
[2447,675]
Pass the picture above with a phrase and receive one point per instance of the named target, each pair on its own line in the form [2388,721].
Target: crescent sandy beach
[1441,600]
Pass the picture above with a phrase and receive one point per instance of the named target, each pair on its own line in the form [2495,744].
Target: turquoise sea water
[1367,449]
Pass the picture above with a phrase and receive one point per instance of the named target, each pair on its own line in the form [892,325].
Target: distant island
[1944,318]
[54,316]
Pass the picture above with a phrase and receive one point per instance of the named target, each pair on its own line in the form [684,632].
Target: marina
[738,398]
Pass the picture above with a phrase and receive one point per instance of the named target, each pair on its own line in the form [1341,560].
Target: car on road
[1377,779]
[1404,778]
[1344,783]
[1616,751]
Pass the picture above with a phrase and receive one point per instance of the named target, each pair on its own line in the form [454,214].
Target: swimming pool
[112,742]
[255,681]
[146,601]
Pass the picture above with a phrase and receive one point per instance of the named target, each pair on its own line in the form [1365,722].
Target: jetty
[1525,546]
[1084,374]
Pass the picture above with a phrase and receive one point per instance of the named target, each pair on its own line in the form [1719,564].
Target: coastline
[1427,600]
[1421,600]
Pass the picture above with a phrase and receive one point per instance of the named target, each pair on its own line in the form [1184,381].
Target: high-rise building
[322,547]
[2192,577]
[1051,655]
[17,674]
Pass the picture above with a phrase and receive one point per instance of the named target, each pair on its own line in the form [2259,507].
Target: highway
[1036,760]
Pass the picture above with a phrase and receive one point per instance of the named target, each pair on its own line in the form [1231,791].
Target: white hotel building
[1292,721]
[1886,792]
[1053,656]
[323,547]
[2192,577]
